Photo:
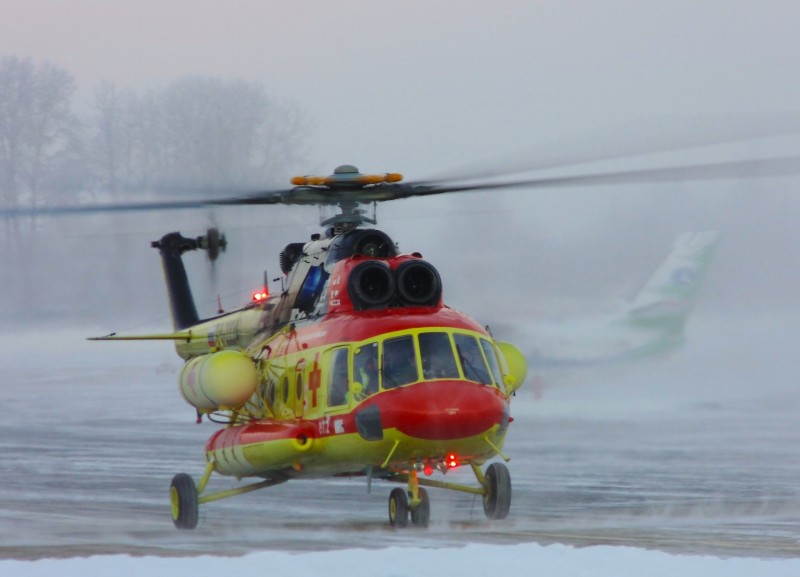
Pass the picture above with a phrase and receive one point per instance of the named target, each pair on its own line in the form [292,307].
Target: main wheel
[421,514]
[183,501]
[497,498]
[398,508]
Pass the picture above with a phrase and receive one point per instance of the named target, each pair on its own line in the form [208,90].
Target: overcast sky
[424,87]
[418,85]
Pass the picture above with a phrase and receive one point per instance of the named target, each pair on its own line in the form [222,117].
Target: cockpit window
[399,362]
[472,361]
[491,356]
[396,362]
[365,368]
[438,361]
[309,292]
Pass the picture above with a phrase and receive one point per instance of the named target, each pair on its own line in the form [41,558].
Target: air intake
[371,285]
[418,283]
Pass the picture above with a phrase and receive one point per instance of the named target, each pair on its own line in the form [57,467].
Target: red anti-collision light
[452,461]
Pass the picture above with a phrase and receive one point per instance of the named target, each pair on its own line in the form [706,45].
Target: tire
[183,501]
[398,508]
[497,498]
[421,514]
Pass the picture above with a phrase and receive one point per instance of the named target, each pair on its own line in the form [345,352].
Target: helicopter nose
[445,410]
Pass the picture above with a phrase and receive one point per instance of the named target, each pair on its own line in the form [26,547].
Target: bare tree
[195,134]
[39,133]
[115,140]
[55,129]
[16,88]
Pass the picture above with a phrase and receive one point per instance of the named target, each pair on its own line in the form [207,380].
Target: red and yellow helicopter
[357,367]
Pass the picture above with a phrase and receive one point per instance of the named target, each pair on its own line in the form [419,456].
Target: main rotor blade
[753,168]
[316,195]
[636,138]
[265,197]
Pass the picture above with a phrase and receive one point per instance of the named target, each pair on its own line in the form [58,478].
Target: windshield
[438,361]
[399,362]
[365,368]
[472,361]
[406,359]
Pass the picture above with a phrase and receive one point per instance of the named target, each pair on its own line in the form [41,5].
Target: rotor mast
[346,189]
[352,215]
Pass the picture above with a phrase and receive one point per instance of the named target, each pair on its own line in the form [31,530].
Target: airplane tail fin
[666,300]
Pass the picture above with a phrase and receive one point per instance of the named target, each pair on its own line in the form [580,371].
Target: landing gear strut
[495,488]
[185,497]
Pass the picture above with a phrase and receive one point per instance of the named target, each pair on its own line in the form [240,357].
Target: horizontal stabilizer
[181,336]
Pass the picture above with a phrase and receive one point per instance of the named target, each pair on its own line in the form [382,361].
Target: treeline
[191,136]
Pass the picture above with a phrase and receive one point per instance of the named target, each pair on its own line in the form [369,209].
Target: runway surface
[699,453]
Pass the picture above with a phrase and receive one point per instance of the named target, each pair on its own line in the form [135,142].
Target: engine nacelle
[221,380]
[371,285]
[418,283]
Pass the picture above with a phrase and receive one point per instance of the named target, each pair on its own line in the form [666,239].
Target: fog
[444,89]
[441,89]
[454,89]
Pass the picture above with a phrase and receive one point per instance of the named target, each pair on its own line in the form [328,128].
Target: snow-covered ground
[470,560]
[683,467]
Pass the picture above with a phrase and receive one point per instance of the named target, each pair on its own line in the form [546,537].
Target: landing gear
[398,508]
[183,501]
[185,497]
[494,487]
[497,491]
[421,514]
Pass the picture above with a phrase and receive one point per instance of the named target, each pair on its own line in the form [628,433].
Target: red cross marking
[315,380]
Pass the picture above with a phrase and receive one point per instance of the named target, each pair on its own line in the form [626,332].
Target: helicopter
[356,367]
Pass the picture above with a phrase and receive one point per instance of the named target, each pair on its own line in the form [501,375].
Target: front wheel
[497,496]
[398,508]
[421,514]
[183,501]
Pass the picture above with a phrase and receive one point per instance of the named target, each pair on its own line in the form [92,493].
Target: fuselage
[368,389]
[358,365]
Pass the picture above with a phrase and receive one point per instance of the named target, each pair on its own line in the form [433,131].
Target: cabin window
[491,356]
[399,362]
[285,389]
[298,387]
[365,368]
[261,394]
[338,378]
[472,362]
[438,361]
